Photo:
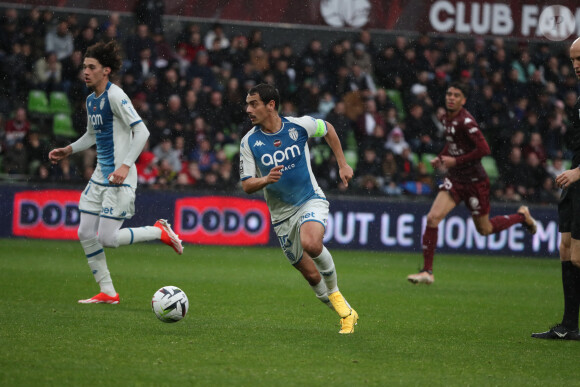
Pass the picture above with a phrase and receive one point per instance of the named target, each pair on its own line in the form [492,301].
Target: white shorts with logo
[288,231]
[115,202]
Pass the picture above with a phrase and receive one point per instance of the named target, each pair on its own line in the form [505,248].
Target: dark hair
[459,86]
[108,55]
[267,93]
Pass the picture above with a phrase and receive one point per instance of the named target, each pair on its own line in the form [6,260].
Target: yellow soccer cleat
[339,304]
[347,323]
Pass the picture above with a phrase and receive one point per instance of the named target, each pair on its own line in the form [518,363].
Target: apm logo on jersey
[219,220]
[47,214]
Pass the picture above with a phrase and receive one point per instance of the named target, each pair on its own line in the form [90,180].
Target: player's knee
[108,240]
[84,234]
[433,219]
[312,247]
[484,229]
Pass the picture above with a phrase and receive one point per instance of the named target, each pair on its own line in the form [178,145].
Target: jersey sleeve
[481,148]
[314,127]
[123,108]
[247,162]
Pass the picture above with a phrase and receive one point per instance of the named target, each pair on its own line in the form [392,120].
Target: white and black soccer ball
[170,304]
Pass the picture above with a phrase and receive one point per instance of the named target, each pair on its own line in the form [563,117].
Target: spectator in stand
[396,142]
[15,159]
[201,69]
[391,178]
[48,73]
[167,176]
[145,66]
[36,151]
[165,151]
[535,173]
[60,41]
[536,146]
[366,122]
[176,116]
[136,43]
[190,175]
[361,57]
[387,69]
[217,117]
[17,128]
[204,156]
[362,82]
[171,84]
[147,170]
[85,39]
[217,33]
[513,172]
[150,13]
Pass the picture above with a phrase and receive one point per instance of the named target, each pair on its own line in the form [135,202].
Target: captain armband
[320,128]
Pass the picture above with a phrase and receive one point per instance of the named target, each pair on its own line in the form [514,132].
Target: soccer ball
[170,304]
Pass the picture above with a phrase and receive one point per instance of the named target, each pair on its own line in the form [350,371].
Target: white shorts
[115,202]
[288,231]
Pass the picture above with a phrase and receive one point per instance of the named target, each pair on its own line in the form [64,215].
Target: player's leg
[311,237]
[442,205]
[570,262]
[87,232]
[477,201]
[123,200]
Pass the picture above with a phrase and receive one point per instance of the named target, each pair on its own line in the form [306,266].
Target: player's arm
[86,141]
[568,177]
[140,136]
[345,171]
[254,184]
[480,150]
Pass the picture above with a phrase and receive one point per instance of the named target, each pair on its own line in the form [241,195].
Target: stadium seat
[231,150]
[351,158]
[490,167]
[397,99]
[62,126]
[59,103]
[38,102]
[426,159]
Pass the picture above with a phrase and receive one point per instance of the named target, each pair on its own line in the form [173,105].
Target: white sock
[325,266]
[128,236]
[322,293]
[98,264]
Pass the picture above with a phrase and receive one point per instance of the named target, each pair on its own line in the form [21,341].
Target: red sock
[502,222]
[429,244]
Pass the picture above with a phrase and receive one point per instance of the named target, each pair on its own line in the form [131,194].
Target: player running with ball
[466,181]
[275,158]
[109,197]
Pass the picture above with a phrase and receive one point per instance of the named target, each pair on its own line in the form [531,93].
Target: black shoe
[558,332]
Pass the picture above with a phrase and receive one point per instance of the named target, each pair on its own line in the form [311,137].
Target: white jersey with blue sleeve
[111,117]
[261,151]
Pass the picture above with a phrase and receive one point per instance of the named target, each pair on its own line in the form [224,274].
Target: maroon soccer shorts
[475,195]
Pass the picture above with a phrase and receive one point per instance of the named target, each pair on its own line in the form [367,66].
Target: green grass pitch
[253,320]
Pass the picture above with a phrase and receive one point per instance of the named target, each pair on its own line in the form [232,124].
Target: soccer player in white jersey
[275,158]
[109,197]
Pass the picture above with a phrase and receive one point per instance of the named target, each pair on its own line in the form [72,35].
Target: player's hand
[568,177]
[448,161]
[436,162]
[346,173]
[275,174]
[58,154]
[119,175]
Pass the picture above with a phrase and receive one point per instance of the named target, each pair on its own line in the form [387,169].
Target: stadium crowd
[383,99]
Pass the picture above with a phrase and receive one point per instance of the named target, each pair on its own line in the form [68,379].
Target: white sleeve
[247,162]
[314,126]
[140,136]
[86,141]
[123,108]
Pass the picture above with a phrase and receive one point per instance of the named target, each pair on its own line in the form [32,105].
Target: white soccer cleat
[422,277]
[168,236]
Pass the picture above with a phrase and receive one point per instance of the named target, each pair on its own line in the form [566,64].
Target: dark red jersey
[466,143]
